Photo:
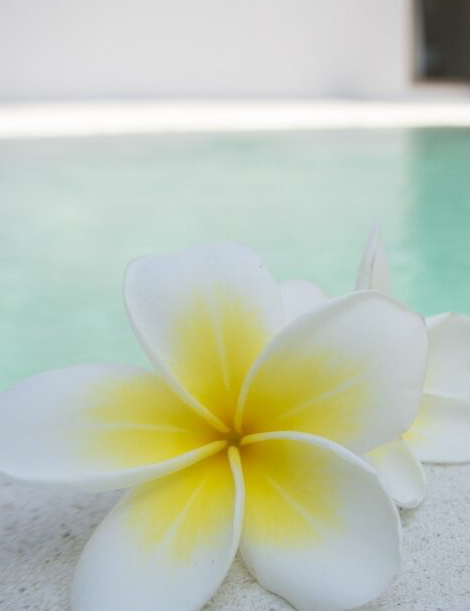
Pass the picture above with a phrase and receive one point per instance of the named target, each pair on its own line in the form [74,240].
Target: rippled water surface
[73,212]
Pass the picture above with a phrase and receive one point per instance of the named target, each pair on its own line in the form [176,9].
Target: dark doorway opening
[442,40]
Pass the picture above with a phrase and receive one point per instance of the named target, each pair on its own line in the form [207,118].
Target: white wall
[146,48]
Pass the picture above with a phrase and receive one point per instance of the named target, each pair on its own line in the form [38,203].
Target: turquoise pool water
[74,211]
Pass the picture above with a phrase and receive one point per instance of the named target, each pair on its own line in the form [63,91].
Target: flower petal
[203,315]
[319,529]
[441,432]
[373,271]
[402,473]
[350,371]
[299,297]
[98,427]
[449,355]
[168,545]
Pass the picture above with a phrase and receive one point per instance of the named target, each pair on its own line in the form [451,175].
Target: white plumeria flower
[441,431]
[242,435]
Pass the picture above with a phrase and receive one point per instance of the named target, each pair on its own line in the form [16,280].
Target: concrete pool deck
[43,533]
[50,120]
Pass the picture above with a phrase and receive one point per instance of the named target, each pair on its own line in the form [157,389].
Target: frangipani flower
[242,435]
[441,431]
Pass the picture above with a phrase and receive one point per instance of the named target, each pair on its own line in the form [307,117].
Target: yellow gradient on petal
[184,512]
[138,421]
[380,454]
[321,393]
[421,424]
[291,493]
[220,334]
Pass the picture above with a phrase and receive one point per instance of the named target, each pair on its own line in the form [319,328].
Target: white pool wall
[46,120]
[211,48]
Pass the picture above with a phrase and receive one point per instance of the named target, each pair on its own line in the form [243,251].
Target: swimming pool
[74,211]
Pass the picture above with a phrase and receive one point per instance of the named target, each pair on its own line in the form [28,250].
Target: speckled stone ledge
[43,532]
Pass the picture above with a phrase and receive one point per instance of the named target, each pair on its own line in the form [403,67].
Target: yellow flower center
[233,438]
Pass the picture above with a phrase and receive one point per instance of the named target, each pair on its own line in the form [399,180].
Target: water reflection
[74,211]
[437,239]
